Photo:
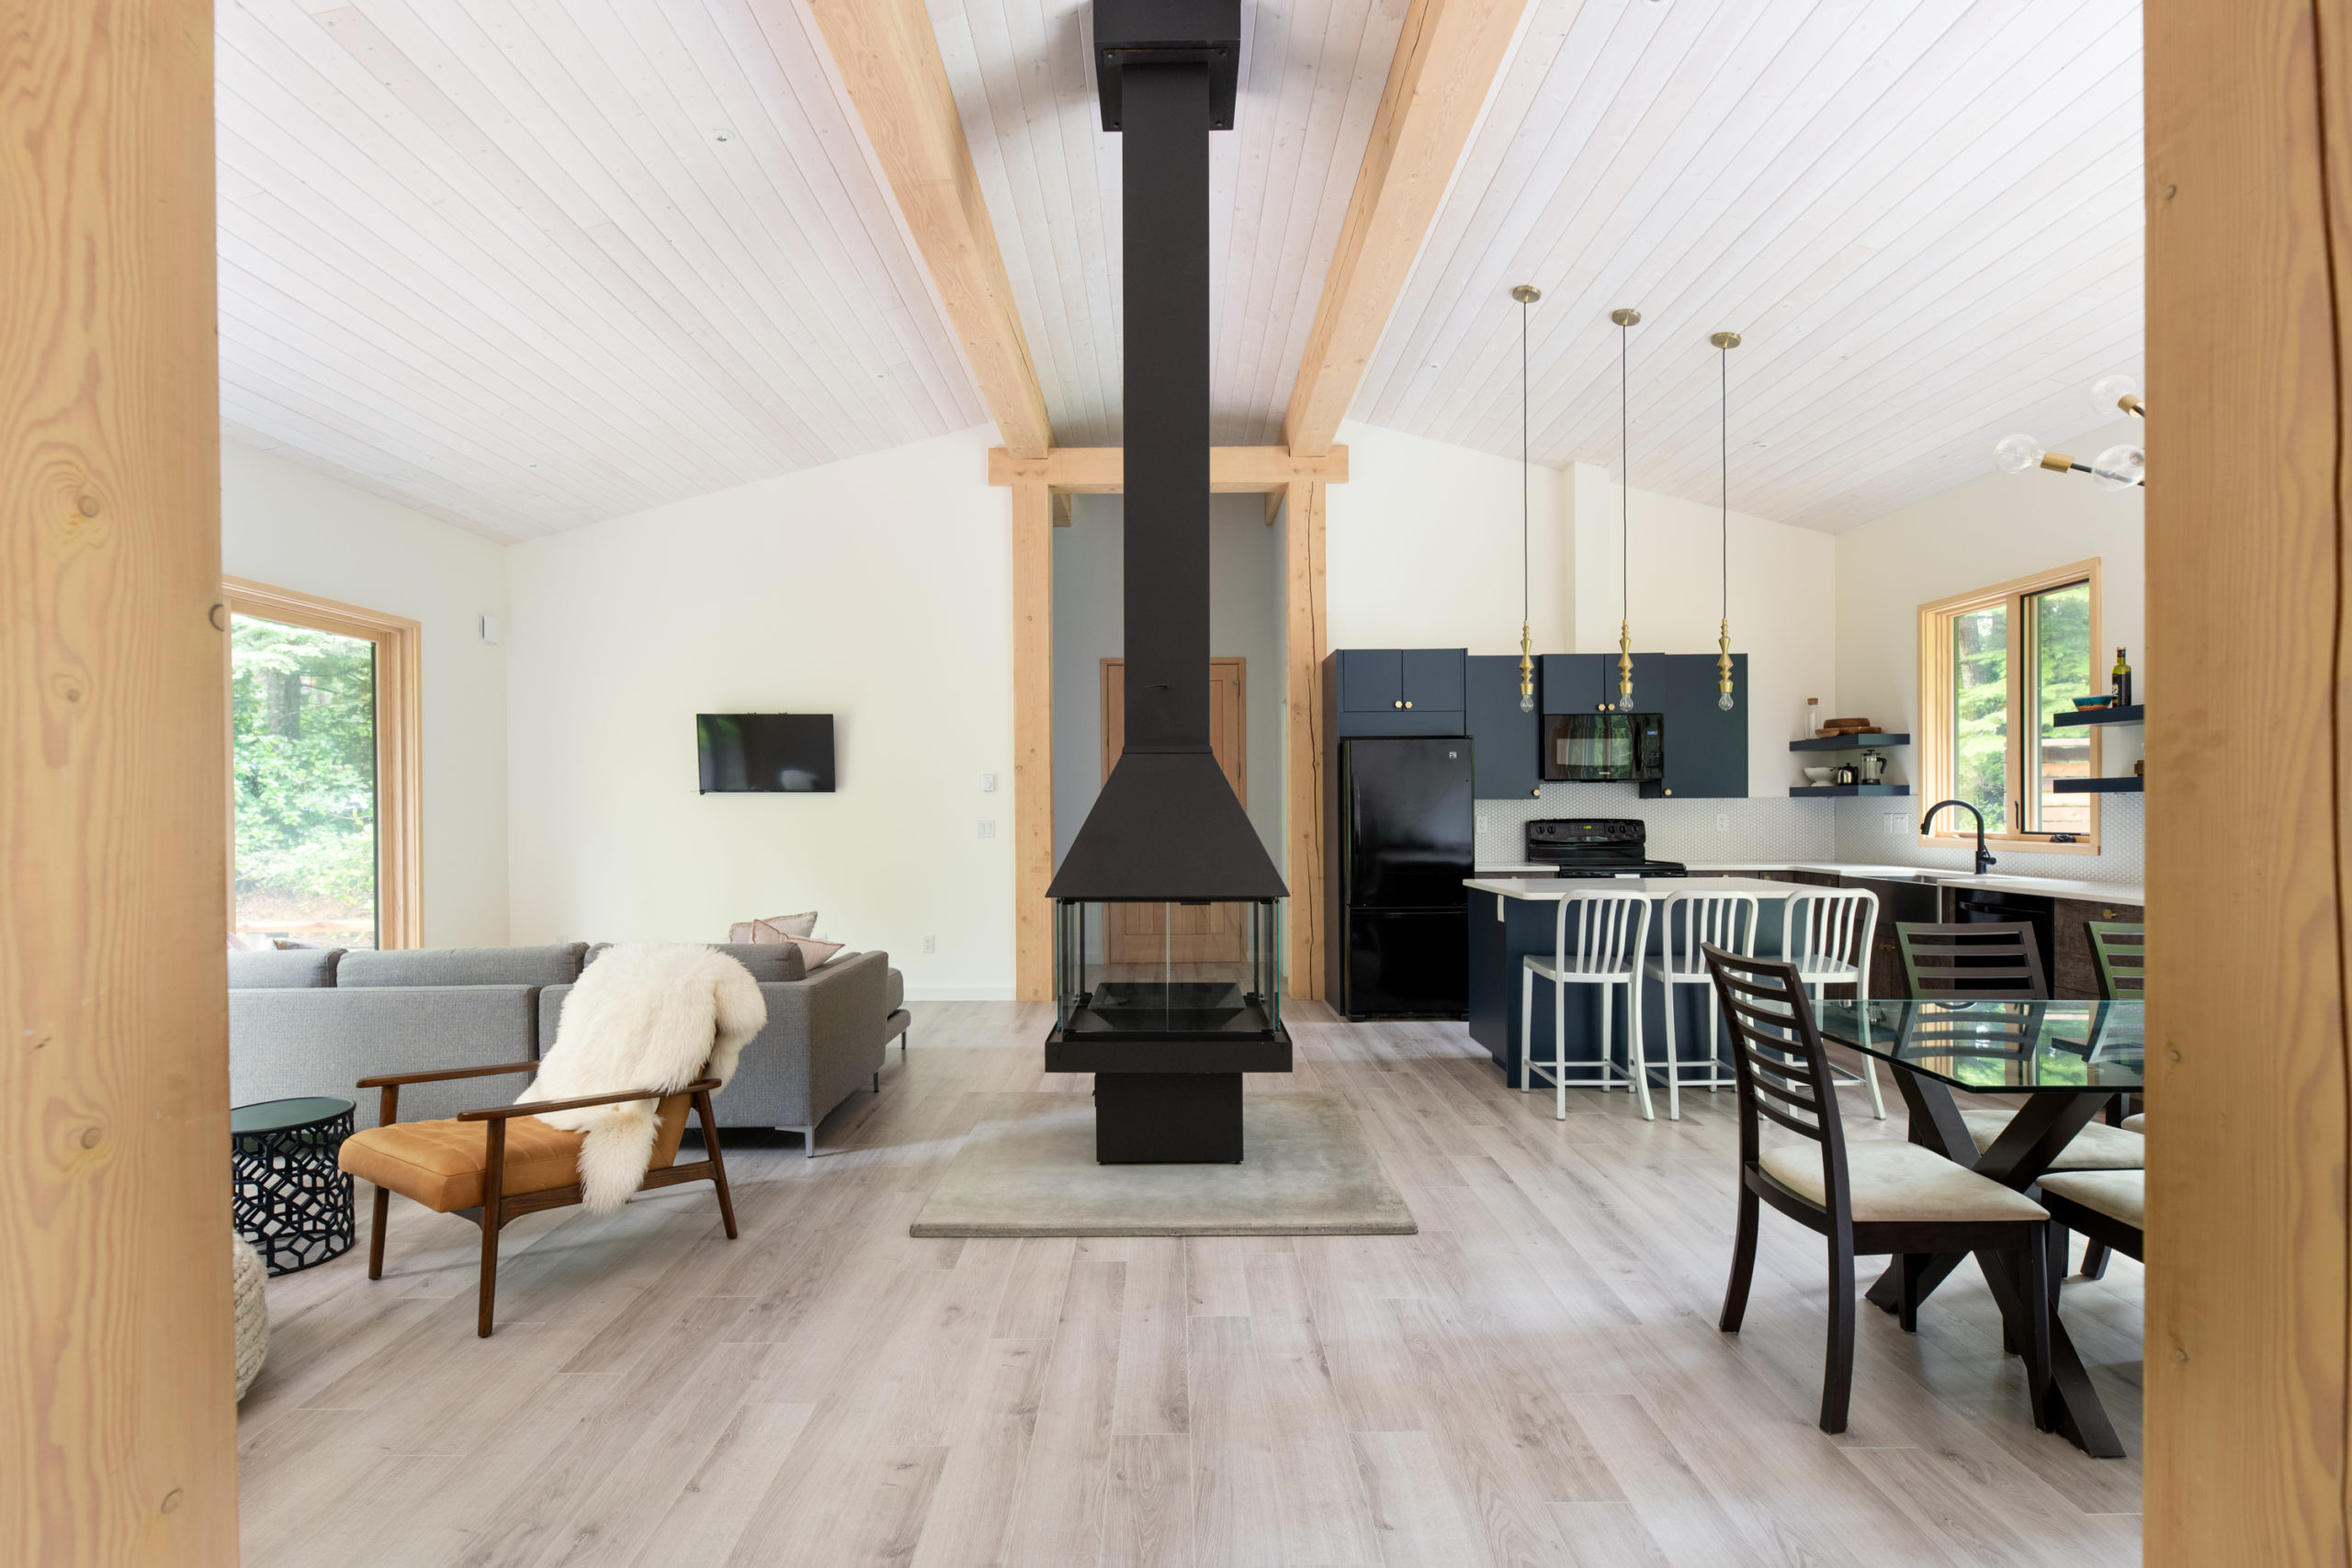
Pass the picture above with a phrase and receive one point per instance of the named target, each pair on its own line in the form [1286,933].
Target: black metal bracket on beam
[1168,32]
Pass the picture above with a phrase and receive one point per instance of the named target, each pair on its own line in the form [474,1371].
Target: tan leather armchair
[495,1164]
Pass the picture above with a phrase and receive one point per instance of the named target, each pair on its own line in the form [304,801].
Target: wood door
[1202,933]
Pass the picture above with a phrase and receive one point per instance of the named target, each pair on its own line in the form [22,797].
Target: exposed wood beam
[2249,290]
[1033,739]
[1233,470]
[889,64]
[1447,58]
[1305,632]
[120,1442]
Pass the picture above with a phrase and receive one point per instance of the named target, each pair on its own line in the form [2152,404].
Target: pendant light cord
[1724,440]
[1626,484]
[1524,600]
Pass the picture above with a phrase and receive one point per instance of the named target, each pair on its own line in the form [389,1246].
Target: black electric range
[1597,846]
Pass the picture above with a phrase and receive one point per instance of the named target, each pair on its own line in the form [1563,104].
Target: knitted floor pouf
[252,1282]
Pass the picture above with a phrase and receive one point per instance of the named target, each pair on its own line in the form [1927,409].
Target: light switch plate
[1722,821]
[988,783]
[931,944]
[987,830]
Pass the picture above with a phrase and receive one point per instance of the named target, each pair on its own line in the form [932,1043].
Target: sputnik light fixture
[1726,342]
[2117,467]
[1526,294]
[1626,318]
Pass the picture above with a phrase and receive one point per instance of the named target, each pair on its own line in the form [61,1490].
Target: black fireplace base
[1167,1118]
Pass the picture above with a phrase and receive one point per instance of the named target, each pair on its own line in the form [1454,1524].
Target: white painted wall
[1989,530]
[294,528]
[1781,583]
[1245,622]
[1422,548]
[878,590]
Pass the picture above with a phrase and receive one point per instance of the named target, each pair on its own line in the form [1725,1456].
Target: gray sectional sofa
[314,1021]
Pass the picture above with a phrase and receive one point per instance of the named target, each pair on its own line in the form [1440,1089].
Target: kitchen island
[1512,917]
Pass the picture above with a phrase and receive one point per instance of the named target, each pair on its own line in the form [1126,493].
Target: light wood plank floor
[1535,1377]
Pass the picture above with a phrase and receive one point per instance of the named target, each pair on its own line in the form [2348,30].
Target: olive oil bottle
[2119,681]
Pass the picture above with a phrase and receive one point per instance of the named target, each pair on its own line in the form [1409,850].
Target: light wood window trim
[400,767]
[1935,740]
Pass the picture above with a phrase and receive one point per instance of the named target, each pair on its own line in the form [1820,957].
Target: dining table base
[2044,1124]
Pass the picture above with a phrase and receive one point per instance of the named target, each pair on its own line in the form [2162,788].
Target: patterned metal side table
[289,1199]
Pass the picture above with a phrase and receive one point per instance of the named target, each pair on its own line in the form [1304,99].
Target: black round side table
[290,1199]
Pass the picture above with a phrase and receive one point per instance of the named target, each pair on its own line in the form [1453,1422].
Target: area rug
[1028,1169]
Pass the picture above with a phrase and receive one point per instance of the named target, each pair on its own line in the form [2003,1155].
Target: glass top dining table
[1999,1047]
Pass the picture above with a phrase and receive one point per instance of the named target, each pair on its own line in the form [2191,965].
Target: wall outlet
[490,631]
[1722,821]
[988,783]
[931,944]
[1892,824]
[988,828]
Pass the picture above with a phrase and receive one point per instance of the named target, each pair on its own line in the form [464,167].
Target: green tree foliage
[305,736]
[2060,635]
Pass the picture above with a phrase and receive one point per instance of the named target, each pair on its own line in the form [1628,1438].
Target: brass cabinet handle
[1408,705]
[1397,705]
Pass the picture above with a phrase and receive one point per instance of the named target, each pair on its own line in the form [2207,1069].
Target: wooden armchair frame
[496,1206]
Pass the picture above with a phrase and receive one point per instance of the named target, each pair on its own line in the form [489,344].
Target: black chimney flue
[1167,825]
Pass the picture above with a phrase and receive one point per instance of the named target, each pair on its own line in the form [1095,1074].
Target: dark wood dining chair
[1872,1196]
[502,1162]
[1991,961]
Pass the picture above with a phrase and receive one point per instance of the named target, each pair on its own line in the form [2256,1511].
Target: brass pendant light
[1626,317]
[1526,294]
[1725,342]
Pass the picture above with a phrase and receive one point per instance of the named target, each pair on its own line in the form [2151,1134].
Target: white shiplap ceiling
[493,256]
[529,263]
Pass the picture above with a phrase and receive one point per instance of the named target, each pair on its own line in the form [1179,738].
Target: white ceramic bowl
[1821,775]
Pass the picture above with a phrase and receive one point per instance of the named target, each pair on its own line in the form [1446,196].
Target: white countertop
[1552,889]
[2044,886]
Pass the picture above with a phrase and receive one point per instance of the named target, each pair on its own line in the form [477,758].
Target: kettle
[1874,767]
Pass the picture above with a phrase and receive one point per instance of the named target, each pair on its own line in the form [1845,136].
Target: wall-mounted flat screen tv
[762,753]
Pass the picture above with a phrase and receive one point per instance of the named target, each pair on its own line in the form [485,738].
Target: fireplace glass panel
[1168,971]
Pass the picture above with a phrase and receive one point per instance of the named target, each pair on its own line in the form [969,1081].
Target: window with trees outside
[1996,668]
[322,772]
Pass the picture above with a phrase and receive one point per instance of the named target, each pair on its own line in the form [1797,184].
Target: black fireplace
[1167,858]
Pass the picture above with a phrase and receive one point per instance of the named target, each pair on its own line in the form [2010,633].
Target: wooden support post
[119,1441]
[1032,738]
[2249,283]
[1306,635]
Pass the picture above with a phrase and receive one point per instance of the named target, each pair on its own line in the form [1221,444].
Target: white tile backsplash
[2122,822]
[1765,830]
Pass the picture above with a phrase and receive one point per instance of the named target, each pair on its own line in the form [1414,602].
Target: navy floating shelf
[2125,785]
[2136,714]
[1847,742]
[1819,790]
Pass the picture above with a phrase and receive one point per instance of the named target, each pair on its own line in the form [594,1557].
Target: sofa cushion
[894,992]
[321,1041]
[555,965]
[765,960]
[1899,1181]
[295,968]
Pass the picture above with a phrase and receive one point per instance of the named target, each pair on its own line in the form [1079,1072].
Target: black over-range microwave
[1604,748]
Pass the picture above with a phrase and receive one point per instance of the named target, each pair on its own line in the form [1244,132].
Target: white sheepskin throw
[647,1015]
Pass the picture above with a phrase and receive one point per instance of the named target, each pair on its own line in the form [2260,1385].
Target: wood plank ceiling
[463,237]
[529,263]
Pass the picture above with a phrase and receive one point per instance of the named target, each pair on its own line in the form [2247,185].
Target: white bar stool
[1693,921]
[1612,933]
[1826,933]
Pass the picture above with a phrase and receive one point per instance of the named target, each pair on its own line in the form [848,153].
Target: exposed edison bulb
[1625,699]
[1526,702]
[1723,700]
[2120,467]
[2016,453]
[2109,392]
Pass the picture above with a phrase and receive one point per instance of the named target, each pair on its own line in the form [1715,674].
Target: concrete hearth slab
[1028,1169]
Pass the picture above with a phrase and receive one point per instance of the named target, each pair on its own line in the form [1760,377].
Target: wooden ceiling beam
[1447,59]
[890,68]
[1233,470]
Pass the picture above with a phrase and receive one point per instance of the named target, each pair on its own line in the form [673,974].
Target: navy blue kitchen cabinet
[1509,743]
[1706,749]
[1388,691]
[1577,682]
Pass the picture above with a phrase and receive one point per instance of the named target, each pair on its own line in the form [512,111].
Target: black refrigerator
[1406,828]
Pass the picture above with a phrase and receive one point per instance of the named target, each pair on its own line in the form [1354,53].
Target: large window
[322,770]
[1996,668]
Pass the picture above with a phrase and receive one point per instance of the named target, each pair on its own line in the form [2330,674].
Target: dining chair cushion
[2119,1194]
[439,1164]
[1895,1182]
[2136,1122]
[2097,1147]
